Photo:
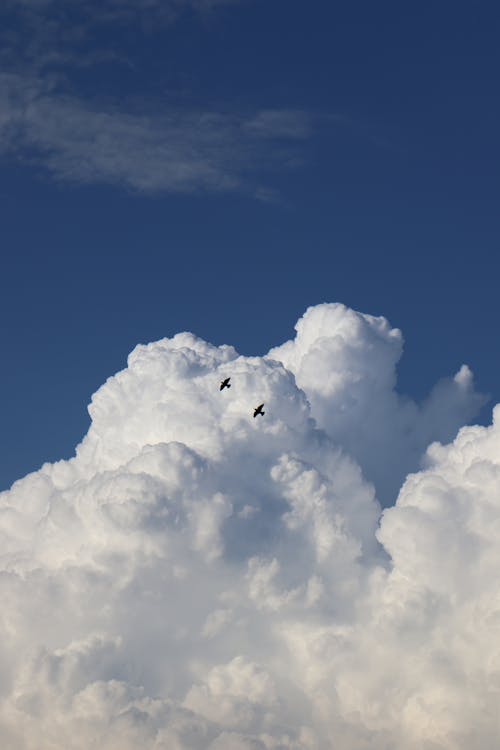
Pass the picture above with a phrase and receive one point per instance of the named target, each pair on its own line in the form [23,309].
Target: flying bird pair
[258,409]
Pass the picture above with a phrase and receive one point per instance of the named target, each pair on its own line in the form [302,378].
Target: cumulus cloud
[197,579]
[346,363]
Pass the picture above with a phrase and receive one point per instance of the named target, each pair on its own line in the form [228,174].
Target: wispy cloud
[47,119]
[42,33]
[103,10]
[174,149]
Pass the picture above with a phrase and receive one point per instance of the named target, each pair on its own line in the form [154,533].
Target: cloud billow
[196,579]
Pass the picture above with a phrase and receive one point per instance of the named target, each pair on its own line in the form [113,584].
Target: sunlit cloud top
[197,577]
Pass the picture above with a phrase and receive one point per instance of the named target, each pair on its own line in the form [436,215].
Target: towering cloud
[196,579]
[346,363]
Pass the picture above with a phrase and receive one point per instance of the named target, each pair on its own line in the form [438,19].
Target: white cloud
[117,6]
[346,363]
[175,150]
[195,578]
[153,136]
[44,34]
[96,12]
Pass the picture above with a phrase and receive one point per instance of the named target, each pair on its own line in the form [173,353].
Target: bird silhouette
[225,384]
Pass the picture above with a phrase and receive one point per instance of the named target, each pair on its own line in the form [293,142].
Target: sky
[303,198]
[218,167]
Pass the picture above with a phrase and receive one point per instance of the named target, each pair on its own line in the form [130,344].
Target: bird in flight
[258,410]
[225,384]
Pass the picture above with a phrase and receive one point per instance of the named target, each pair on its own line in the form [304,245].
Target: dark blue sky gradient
[392,208]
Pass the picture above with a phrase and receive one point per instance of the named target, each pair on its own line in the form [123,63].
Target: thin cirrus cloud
[177,150]
[98,11]
[120,6]
[44,34]
[196,579]
[46,121]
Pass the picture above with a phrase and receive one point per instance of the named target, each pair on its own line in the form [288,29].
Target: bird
[258,410]
[225,384]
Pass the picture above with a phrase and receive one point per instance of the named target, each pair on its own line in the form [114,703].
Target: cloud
[174,149]
[50,57]
[390,432]
[62,35]
[93,13]
[196,579]
[51,33]
[117,7]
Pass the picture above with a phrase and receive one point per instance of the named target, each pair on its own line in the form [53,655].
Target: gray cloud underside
[196,579]
[177,150]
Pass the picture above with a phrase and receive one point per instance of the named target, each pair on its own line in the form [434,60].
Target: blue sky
[218,167]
